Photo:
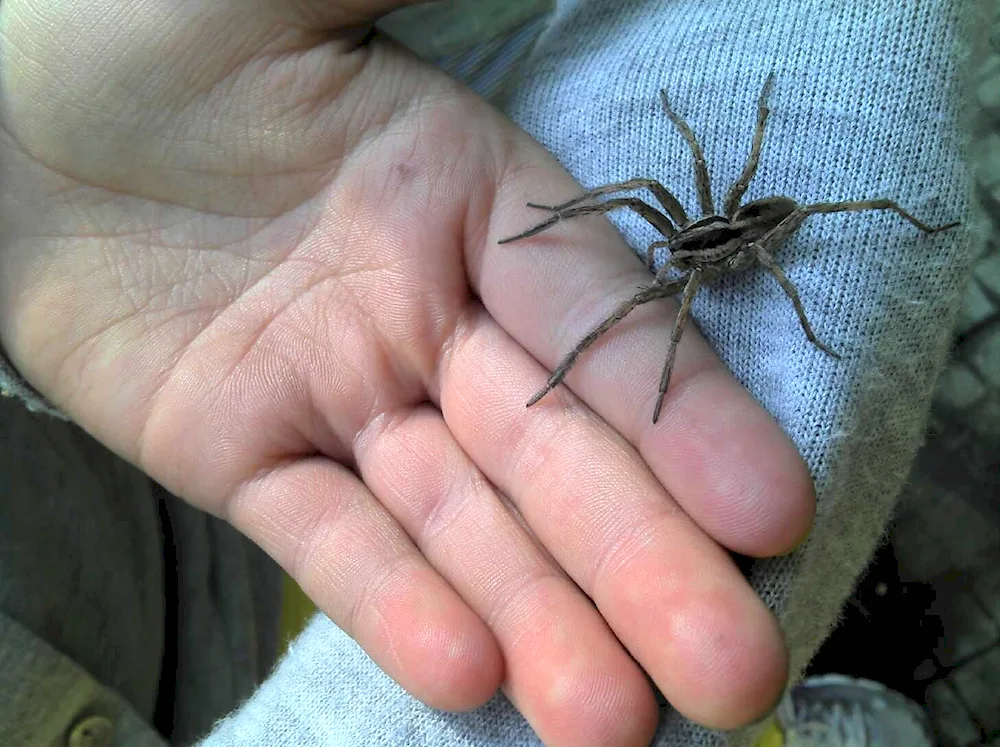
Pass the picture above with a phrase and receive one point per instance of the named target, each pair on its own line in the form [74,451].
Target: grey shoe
[837,711]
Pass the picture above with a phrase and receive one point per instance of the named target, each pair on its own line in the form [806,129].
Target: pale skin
[261,263]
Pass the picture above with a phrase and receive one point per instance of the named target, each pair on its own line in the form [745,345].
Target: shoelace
[829,725]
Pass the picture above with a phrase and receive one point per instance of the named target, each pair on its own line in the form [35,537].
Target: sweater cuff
[12,384]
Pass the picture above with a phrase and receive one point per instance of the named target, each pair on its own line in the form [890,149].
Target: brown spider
[707,248]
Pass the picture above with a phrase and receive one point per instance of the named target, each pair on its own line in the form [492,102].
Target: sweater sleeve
[326,692]
[12,384]
[870,100]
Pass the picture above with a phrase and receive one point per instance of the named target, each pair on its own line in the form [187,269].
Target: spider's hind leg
[857,206]
[793,294]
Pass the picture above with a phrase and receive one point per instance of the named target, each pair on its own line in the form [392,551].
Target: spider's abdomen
[757,218]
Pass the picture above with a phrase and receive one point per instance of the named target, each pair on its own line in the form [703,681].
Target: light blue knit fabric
[867,103]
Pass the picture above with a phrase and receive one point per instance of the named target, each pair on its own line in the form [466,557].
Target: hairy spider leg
[792,292]
[739,188]
[693,281]
[793,222]
[651,256]
[701,179]
[858,206]
[657,219]
[644,295]
[780,233]
[663,195]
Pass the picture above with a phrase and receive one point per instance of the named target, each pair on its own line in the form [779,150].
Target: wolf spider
[707,248]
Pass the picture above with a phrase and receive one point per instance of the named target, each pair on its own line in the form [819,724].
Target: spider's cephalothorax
[707,248]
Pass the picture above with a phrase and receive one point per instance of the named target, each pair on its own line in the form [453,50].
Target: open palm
[257,256]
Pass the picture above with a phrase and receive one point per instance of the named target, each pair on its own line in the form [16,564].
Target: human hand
[259,261]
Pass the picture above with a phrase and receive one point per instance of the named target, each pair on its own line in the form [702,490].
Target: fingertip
[594,709]
[777,498]
[458,670]
[729,663]
[466,671]
[571,679]
[781,490]
[732,468]
[800,510]
[435,648]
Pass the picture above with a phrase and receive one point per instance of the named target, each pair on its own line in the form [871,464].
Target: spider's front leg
[690,288]
[702,181]
[573,208]
[644,295]
[651,258]
[654,217]
[671,205]
[732,202]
